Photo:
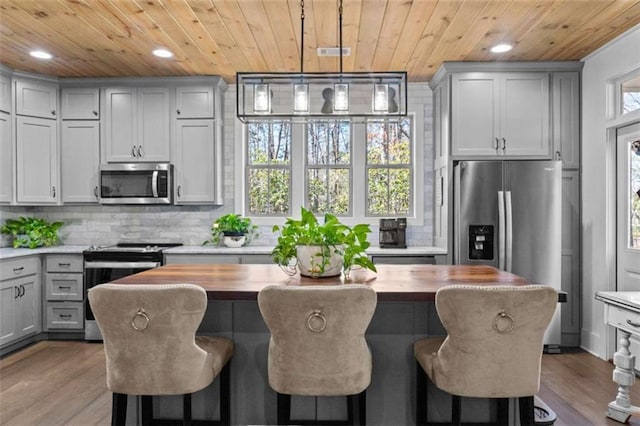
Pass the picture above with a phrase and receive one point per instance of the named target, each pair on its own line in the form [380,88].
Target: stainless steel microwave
[136,183]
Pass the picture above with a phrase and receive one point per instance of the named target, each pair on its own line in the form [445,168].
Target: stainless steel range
[103,264]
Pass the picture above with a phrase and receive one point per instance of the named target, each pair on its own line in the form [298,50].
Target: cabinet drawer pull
[65,316]
[633,324]
[64,265]
[64,287]
[18,270]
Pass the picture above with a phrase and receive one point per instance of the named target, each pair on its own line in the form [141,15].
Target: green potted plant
[31,232]
[232,230]
[321,250]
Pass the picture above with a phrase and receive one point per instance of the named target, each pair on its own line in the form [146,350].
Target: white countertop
[9,252]
[628,299]
[251,249]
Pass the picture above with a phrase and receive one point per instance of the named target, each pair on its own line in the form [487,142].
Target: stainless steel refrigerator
[507,214]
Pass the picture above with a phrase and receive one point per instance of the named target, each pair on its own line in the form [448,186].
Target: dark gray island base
[397,323]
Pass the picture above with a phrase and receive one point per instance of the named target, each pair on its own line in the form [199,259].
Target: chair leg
[421,396]
[284,408]
[146,402]
[456,408]
[186,409]
[362,408]
[525,405]
[119,409]
[502,416]
[225,394]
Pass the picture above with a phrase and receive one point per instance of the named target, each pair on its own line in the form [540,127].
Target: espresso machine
[393,233]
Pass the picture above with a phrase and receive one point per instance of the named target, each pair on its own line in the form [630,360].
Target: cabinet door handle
[95,191]
[95,113]
[178,111]
[22,290]
[64,265]
[140,151]
[497,144]
[504,143]
[558,155]
[133,151]
[18,271]
[53,112]
[633,324]
[16,292]
[53,191]
[179,190]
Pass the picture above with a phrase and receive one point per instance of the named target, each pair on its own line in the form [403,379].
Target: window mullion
[299,175]
[358,188]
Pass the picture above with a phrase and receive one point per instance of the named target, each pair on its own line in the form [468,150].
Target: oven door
[97,272]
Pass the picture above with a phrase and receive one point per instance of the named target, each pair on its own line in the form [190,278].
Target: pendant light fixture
[302,97]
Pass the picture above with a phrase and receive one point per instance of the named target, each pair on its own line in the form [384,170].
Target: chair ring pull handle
[499,323]
[311,319]
[144,320]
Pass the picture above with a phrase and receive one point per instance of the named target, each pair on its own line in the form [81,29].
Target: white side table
[622,310]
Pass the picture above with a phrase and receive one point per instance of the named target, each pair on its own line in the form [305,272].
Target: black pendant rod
[340,24]
[301,36]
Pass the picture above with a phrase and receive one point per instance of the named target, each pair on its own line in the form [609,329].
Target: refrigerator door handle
[509,244]
[501,231]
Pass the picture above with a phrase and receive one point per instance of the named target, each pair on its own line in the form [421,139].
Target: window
[328,185]
[389,166]
[360,171]
[269,168]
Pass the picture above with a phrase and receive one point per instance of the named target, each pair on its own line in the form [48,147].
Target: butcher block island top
[391,282]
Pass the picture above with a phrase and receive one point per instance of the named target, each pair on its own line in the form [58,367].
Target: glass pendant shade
[381,98]
[341,97]
[261,99]
[300,98]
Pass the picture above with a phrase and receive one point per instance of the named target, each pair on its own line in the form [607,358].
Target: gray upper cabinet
[5,93]
[566,118]
[36,99]
[80,161]
[500,114]
[80,103]
[195,102]
[36,161]
[6,158]
[137,124]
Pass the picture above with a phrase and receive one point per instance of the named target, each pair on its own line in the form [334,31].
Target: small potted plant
[232,230]
[321,250]
[31,232]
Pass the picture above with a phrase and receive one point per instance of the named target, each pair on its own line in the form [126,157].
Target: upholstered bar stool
[151,347]
[318,346]
[493,347]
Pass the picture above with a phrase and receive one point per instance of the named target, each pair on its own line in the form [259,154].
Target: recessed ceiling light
[501,48]
[41,54]
[162,53]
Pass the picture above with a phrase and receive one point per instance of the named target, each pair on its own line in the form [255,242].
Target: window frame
[358,141]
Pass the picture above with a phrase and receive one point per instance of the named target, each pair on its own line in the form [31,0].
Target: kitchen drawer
[64,263]
[624,319]
[64,287]
[65,315]
[17,268]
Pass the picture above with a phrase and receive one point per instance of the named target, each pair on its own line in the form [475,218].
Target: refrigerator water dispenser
[481,242]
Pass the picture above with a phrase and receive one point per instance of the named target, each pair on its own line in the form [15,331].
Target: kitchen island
[405,313]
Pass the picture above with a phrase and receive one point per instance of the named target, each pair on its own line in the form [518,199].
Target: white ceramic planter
[310,260]
[234,241]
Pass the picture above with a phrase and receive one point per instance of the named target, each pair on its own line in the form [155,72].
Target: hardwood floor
[63,383]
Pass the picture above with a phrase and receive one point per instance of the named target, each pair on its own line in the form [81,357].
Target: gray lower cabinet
[64,307]
[20,299]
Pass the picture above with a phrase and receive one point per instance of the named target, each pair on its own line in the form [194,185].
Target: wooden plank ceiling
[107,38]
